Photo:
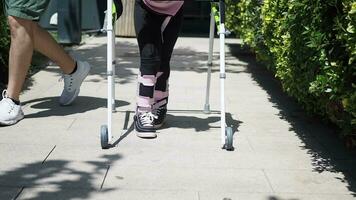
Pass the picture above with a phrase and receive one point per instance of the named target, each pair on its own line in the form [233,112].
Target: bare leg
[21,50]
[26,36]
[45,44]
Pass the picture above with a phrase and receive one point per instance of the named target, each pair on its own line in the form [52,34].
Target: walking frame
[226,131]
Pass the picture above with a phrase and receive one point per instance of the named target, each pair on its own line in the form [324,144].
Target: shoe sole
[11,122]
[77,91]
[146,135]
[76,94]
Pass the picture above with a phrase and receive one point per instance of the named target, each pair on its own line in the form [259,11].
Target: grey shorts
[26,9]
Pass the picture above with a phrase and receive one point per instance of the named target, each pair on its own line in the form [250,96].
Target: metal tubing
[109,65]
[211,38]
[210,62]
[222,70]
[114,70]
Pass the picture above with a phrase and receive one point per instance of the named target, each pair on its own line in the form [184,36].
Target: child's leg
[170,35]
[148,32]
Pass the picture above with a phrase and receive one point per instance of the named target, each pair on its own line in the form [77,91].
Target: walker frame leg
[113,71]
[226,132]
[106,130]
[210,61]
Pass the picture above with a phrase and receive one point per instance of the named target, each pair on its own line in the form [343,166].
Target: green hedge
[4,47]
[310,46]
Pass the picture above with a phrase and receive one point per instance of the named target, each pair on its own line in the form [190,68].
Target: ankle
[75,68]
[17,102]
[160,103]
[72,70]
[140,109]
[13,97]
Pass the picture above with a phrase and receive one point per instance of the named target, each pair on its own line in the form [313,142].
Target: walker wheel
[229,139]
[104,137]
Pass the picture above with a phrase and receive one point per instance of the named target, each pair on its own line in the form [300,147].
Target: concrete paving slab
[269,130]
[305,181]
[186,179]
[41,120]
[85,153]
[9,192]
[206,195]
[58,174]
[36,138]
[266,144]
[18,156]
[76,194]
[271,196]
[280,154]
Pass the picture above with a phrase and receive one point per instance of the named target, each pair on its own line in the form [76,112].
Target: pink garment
[165,7]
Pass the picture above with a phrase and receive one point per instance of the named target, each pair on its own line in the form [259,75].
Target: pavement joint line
[19,193]
[269,182]
[71,124]
[249,143]
[49,154]
[106,173]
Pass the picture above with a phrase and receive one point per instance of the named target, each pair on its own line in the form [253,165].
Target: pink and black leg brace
[156,36]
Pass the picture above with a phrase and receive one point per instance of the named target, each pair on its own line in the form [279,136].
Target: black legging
[155,52]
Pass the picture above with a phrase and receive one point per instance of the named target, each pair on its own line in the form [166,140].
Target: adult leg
[45,44]
[21,50]
[26,35]
[20,55]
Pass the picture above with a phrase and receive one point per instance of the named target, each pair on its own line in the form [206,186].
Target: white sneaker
[73,82]
[10,113]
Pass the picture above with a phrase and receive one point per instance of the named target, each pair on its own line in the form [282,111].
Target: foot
[72,83]
[161,113]
[10,113]
[144,125]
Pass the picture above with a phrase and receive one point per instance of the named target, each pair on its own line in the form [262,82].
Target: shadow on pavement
[199,124]
[49,106]
[277,198]
[58,179]
[183,59]
[320,140]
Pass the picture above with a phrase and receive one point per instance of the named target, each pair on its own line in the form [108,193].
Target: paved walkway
[281,154]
